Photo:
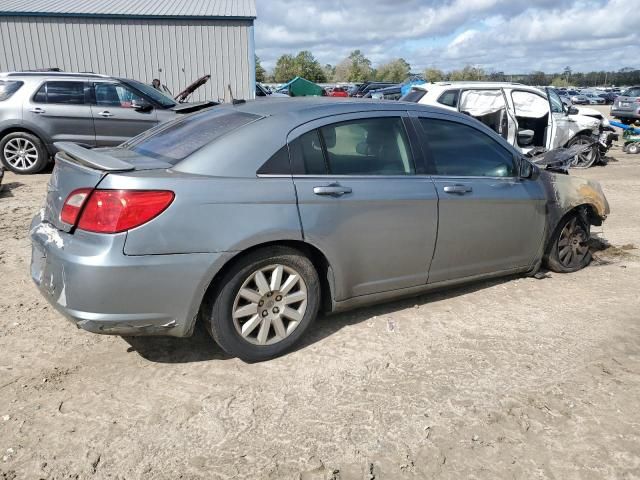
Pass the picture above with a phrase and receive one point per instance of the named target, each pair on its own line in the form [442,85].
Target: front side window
[459,150]
[115,95]
[372,146]
[556,102]
[60,92]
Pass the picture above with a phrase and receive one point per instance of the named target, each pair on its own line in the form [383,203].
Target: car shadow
[197,348]
[6,189]
[201,348]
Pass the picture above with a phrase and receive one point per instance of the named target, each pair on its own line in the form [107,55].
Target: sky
[513,36]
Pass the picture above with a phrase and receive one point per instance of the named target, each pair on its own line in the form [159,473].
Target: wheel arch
[26,129]
[586,211]
[313,253]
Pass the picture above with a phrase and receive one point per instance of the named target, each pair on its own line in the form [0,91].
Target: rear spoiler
[93,158]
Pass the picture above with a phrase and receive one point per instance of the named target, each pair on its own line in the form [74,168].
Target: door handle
[458,189]
[37,110]
[106,114]
[333,190]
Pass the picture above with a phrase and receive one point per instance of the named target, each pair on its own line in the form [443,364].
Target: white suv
[525,116]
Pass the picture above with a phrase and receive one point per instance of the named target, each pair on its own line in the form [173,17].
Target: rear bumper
[625,113]
[88,279]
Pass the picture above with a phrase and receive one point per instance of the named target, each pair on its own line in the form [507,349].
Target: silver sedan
[253,218]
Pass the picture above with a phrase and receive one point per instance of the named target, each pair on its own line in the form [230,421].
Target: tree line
[358,68]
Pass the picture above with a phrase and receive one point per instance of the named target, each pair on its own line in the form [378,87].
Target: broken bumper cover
[88,279]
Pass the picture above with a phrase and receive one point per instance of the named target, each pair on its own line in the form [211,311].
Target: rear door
[115,118]
[490,220]
[490,106]
[61,109]
[362,202]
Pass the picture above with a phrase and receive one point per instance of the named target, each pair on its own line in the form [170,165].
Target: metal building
[176,41]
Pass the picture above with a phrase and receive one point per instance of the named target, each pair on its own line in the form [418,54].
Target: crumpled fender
[566,192]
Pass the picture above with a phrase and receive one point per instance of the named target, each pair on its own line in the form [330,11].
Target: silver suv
[626,107]
[38,109]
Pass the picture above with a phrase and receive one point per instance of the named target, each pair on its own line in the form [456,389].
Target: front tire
[587,159]
[23,153]
[264,304]
[569,251]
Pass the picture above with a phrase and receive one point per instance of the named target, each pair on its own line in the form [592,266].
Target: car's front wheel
[23,153]
[588,157]
[569,251]
[264,304]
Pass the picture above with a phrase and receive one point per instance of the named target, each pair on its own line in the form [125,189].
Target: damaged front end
[566,193]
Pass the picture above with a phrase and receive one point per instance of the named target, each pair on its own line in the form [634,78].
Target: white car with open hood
[525,116]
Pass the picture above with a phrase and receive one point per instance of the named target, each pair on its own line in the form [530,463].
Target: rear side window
[414,95]
[8,88]
[449,98]
[177,140]
[460,150]
[66,93]
[370,146]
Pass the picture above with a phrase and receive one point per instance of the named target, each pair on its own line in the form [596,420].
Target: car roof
[304,109]
[51,74]
[472,84]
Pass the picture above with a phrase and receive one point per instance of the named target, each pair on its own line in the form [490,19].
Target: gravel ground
[514,378]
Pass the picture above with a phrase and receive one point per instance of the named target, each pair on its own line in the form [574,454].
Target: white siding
[175,51]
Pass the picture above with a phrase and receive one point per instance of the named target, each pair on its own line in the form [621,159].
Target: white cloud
[508,35]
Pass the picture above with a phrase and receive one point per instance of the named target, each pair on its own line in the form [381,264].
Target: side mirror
[141,106]
[572,110]
[525,137]
[528,170]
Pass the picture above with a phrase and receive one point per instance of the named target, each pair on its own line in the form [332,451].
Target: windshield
[156,95]
[175,141]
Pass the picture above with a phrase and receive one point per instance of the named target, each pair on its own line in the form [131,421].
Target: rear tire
[23,153]
[588,158]
[569,251]
[264,304]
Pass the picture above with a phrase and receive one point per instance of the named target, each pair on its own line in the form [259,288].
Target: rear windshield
[414,95]
[177,140]
[632,92]
[8,88]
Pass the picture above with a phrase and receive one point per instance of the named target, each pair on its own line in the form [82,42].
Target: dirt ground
[515,378]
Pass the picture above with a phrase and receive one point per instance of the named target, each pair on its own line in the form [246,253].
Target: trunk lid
[77,167]
[625,103]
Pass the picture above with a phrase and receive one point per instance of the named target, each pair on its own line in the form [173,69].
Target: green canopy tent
[301,87]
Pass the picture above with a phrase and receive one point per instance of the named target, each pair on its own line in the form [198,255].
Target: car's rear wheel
[264,304]
[23,153]
[587,158]
[569,251]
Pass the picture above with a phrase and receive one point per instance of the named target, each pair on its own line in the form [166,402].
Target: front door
[61,110]
[490,220]
[362,203]
[563,127]
[114,117]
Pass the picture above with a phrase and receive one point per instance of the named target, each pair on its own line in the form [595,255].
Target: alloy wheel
[270,305]
[584,159]
[20,153]
[573,244]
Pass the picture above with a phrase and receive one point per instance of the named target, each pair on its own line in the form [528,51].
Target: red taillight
[73,205]
[113,211]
